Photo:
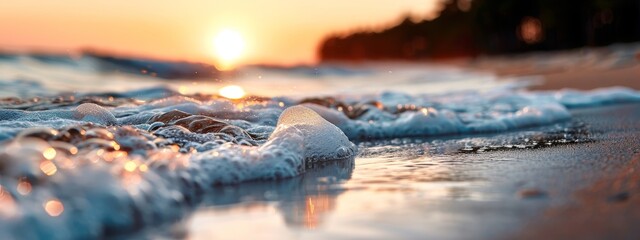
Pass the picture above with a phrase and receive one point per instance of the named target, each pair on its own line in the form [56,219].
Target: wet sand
[587,79]
[608,208]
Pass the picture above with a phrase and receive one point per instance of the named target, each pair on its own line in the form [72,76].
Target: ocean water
[94,146]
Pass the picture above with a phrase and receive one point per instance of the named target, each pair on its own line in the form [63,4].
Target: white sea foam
[91,112]
[322,139]
[121,164]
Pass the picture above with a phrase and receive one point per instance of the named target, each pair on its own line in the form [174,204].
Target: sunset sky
[274,31]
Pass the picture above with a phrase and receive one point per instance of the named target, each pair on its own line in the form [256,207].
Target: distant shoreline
[582,69]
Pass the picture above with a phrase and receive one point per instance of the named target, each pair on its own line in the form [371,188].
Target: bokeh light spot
[49,153]
[48,167]
[130,166]
[54,207]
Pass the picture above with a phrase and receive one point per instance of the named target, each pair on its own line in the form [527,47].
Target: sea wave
[91,164]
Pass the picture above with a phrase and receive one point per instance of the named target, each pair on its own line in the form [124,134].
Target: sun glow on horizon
[232,92]
[229,46]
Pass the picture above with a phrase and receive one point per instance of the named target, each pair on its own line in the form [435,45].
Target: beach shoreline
[579,69]
[608,207]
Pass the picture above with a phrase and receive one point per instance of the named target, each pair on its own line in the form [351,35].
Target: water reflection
[303,201]
[418,176]
[309,213]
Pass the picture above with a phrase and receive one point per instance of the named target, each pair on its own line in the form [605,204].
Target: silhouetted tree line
[467,28]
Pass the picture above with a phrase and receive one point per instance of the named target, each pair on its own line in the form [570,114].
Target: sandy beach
[588,79]
[580,69]
[606,208]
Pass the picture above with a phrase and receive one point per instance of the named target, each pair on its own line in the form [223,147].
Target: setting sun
[229,46]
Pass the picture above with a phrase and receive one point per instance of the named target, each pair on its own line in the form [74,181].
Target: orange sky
[275,31]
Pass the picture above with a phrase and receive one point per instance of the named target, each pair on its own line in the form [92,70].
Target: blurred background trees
[468,28]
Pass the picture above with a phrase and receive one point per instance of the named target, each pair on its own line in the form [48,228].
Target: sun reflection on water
[315,208]
[232,92]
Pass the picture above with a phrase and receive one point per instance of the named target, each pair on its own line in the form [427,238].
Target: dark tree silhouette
[494,27]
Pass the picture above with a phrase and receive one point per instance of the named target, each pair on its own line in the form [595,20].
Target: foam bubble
[91,112]
[322,140]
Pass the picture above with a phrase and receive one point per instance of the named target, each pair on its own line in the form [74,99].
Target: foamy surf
[128,180]
[144,157]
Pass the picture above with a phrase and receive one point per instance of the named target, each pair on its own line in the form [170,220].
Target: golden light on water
[54,207]
[130,166]
[183,90]
[232,92]
[143,168]
[229,46]
[48,167]
[49,153]
[312,208]
[114,145]
[316,207]
[311,212]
